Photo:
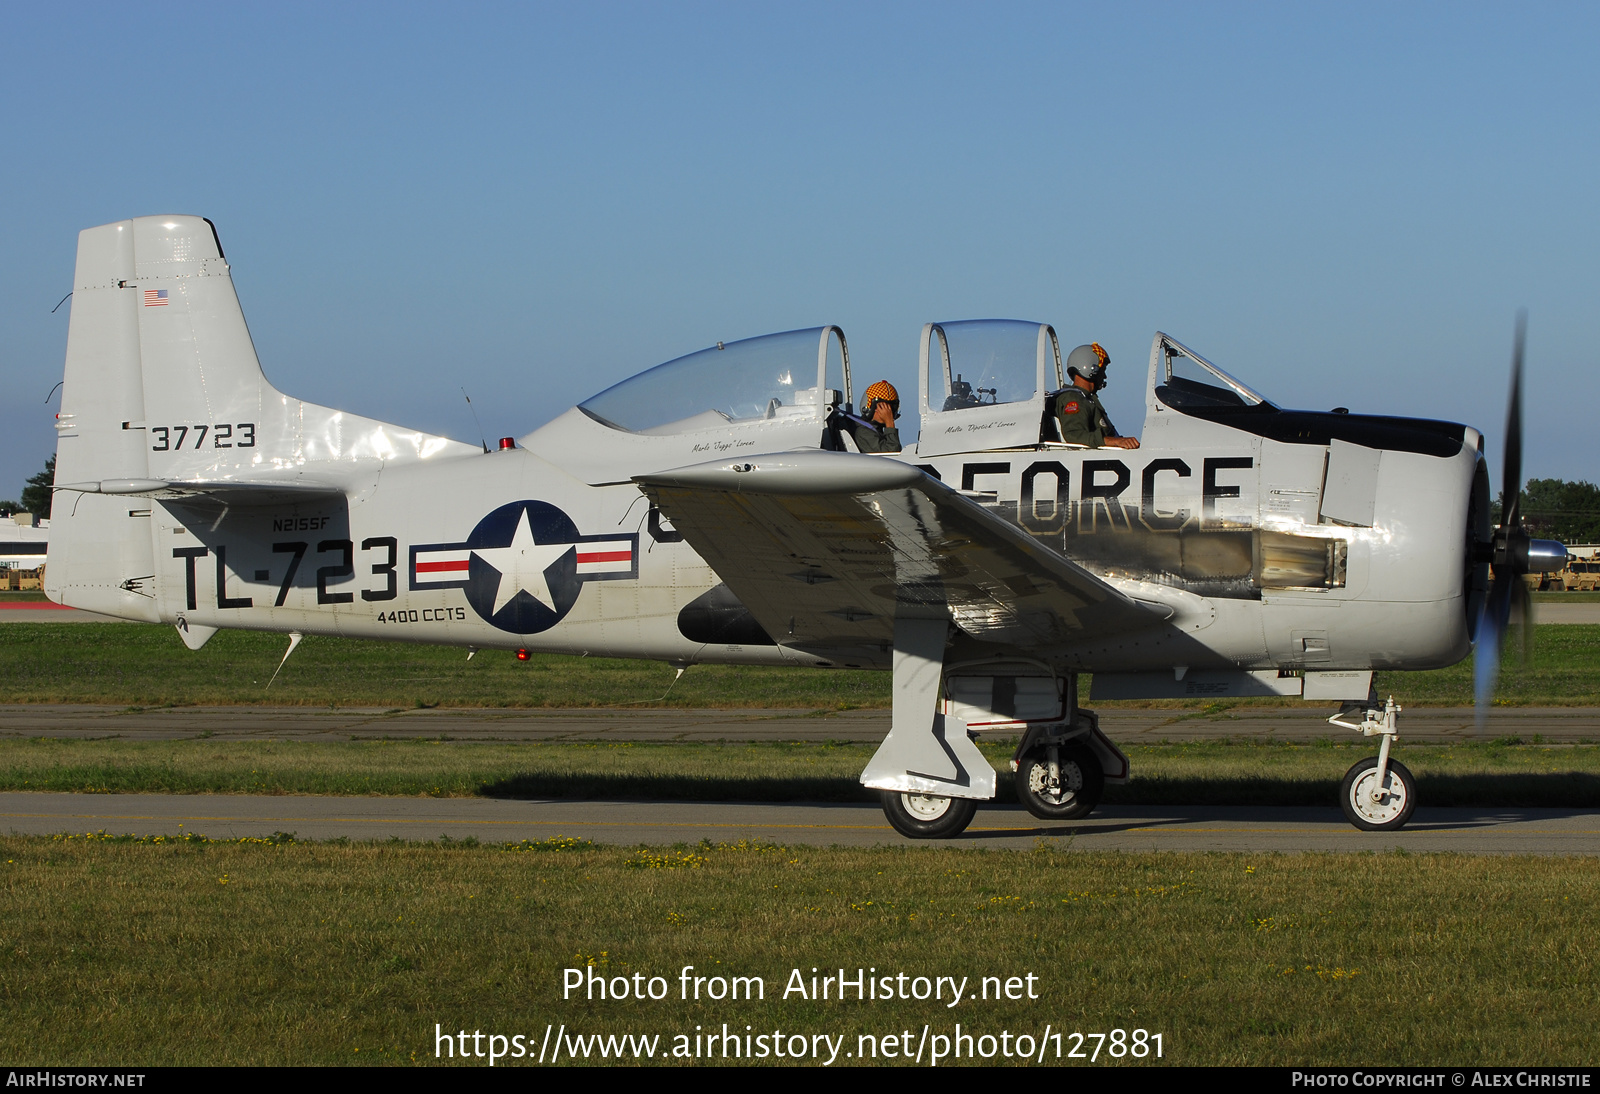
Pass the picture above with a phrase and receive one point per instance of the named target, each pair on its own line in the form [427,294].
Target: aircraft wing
[825,547]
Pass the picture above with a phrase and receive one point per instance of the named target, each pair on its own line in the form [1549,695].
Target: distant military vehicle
[1581,575]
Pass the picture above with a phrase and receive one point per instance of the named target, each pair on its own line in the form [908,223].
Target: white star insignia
[522,566]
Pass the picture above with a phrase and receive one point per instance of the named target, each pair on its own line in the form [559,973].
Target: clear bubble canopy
[773,377]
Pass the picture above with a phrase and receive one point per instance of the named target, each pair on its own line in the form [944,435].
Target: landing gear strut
[1378,794]
[930,775]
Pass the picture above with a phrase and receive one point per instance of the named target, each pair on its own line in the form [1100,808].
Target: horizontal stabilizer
[255,492]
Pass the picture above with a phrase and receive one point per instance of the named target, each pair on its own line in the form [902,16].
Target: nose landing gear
[1378,794]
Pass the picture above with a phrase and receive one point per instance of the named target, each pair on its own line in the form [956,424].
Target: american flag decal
[155,298]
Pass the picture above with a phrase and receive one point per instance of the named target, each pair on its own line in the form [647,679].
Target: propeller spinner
[1510,551]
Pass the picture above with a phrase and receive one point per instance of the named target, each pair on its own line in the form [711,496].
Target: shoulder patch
[1070,408]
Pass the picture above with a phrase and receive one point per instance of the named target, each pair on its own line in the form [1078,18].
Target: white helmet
[1089,362]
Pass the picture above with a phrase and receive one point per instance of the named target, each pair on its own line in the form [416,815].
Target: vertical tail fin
[162,384]
[159,352]
[159,361]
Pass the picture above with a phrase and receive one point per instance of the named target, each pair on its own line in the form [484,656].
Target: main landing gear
[929,774]
[927,816]
[1058,777]
[1378,794]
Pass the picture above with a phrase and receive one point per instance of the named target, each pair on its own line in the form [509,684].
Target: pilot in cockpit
[875,431]
[1076,408]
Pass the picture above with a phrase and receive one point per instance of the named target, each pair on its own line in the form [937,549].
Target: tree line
[36,494]
[1560,510]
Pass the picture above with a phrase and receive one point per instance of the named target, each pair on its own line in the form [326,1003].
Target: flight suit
[876,439]
[1081,417]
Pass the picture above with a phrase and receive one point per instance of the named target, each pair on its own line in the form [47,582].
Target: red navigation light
[507,442]
[522,655]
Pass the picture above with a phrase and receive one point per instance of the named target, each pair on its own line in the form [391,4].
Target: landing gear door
[984,384]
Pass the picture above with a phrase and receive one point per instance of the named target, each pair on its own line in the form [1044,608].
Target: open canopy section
[1185,385]
[984,383]
[1184,380]
[797,374]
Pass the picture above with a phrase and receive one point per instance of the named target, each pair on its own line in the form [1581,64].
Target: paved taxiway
[1556,725]
[1112,828]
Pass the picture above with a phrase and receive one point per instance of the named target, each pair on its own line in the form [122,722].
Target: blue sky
[1342,204]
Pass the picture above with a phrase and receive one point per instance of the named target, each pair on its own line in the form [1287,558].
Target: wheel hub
[1378,805]
[926,807]
[1059,790]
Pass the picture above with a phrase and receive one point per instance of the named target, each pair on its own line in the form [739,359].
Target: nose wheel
[1378,794]
[1375,806]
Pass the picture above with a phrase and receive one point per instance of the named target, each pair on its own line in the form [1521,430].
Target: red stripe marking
[442,567]
[605,556]
[37,606]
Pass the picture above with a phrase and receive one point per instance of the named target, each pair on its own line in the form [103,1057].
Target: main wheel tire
[928,816]
[1078,791]
[1388,815]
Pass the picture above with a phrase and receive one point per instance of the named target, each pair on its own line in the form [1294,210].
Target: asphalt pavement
[1243,829]
[629,823]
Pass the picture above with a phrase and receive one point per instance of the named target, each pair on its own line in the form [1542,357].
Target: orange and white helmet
[882,392]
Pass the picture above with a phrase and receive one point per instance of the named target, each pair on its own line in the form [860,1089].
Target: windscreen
[979,362]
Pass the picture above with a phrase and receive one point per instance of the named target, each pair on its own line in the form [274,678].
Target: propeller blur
[1510,551]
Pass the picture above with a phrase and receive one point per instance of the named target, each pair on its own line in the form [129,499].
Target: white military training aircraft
[714,509]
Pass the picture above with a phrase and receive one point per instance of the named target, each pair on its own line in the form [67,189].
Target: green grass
[1205,773]
[246,953]
[1563,669]
[147,666]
